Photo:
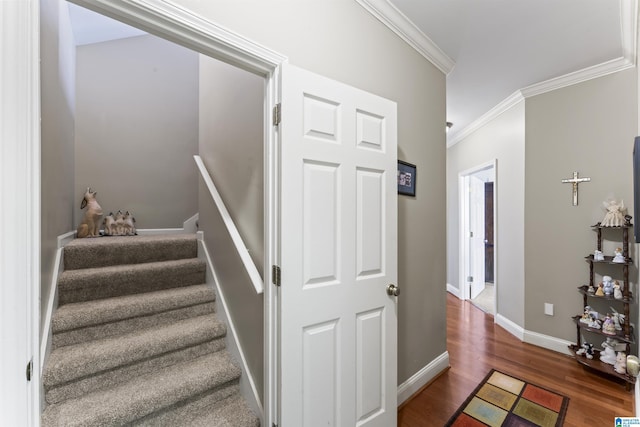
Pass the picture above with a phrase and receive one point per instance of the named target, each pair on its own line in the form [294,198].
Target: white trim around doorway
[172,22]
[463,224]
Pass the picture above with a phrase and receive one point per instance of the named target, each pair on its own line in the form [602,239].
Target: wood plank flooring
[476,344]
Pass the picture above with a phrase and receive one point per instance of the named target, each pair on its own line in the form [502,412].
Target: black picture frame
[406,178]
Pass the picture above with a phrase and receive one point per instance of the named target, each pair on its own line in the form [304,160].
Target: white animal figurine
[109,225]
[119,224]
[129,224]
[621,363]
[90,225]
[615,214]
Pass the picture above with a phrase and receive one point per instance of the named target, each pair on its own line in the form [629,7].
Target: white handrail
[252,271]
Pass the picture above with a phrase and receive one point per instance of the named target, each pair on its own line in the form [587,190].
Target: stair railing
[248,263]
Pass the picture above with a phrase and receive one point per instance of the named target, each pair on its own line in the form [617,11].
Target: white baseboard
[191,225]
[247,383]
[453,291]
[52,302]
[422,377]
[548,342]
[545,341]
[511,327]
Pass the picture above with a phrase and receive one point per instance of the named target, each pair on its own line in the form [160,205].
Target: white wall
[137,129]
[58,65]
[231,146]
[503,140]
[341,40]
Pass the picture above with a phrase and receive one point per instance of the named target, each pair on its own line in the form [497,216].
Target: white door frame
[463,228]
[19,211]
[21,109]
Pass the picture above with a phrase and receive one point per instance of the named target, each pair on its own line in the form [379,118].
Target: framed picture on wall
[406,178]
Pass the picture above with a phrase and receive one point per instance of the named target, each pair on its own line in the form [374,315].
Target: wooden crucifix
[575,181]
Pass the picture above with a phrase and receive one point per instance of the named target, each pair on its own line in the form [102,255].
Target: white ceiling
[502,46]
[489,49]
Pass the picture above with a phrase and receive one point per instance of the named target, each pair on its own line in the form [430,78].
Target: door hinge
[29,369]
[469,279]
[277,115]
[471,234]
[275,275]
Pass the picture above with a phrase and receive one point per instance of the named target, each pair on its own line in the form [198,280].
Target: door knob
[393,290]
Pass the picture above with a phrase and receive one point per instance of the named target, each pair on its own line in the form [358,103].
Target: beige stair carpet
[136,340]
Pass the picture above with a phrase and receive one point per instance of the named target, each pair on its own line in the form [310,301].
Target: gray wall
[340,40]
[137,129]
[57,52]
[588,127]
[503,140]
[231,146]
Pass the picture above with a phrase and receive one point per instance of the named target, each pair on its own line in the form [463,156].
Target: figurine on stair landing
[90,225]
[123,224]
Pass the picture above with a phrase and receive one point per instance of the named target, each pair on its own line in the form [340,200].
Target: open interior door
[476,226]
[338,319]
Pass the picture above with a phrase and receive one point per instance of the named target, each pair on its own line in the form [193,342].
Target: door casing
[463,228]
[173,23]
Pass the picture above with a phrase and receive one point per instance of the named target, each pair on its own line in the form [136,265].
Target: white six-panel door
[338,337]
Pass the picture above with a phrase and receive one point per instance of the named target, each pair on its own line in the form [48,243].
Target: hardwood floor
[476,345]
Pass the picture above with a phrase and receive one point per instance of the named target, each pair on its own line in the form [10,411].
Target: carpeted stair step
[217,409]
[118,280]
[115,250]
[86,321]
[81,368]
[146,394]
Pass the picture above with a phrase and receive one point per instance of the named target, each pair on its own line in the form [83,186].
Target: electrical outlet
[548,309]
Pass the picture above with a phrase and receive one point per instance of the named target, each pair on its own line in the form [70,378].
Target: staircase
[136,340]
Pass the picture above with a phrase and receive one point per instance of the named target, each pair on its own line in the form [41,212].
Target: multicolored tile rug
[502,400]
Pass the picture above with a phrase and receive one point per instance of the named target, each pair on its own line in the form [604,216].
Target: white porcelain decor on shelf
[608,354]
[621,363]
[607,285]
[615,214]
[618,257]
[598,256]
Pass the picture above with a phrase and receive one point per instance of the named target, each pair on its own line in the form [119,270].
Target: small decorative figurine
[591,289]
[615,214]
[586,316]
[109,225]
[594,323]
[633,365]
[586,350]
[627,220]
[607,285]
[600,291]
[619,258]
[617,291]
[608,327]
[621,363]
[129,227]
[598,256]
[608,354]
[90,225]
[618,319]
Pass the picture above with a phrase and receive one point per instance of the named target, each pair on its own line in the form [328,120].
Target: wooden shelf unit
[624,336]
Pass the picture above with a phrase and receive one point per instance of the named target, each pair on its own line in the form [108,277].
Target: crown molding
[390,16]
[629,29]
[593,72]
[628,25]
[507,103]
